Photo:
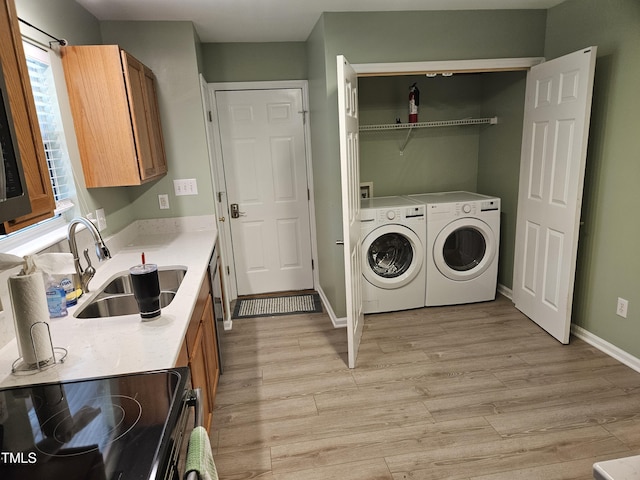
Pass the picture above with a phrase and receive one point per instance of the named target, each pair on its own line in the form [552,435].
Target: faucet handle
[88,272]
[87,258]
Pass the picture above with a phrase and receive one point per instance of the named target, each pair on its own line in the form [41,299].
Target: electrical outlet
[621,309]
[101,220]
[185,186]
[163,201]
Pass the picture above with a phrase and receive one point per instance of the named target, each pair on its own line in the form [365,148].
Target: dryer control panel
[465,209]
[490,205]
[462,209]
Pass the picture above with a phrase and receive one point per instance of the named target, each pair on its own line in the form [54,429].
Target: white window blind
[46,101]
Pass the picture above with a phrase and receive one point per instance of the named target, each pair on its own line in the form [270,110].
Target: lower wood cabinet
[200,352]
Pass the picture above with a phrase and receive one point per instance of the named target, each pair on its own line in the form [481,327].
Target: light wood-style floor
[467,392]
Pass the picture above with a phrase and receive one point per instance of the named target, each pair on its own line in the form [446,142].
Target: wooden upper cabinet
[25,119]
[116,116]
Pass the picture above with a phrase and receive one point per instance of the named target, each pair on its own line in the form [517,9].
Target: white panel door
[263,150]
[350,173]
[554,149]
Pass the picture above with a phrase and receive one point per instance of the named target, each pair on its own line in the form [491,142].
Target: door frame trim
[446,66]
[218,169]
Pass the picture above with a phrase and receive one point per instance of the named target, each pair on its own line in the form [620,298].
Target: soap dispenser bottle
[56,299]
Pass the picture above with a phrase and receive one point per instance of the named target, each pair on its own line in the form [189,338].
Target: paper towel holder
[20,366]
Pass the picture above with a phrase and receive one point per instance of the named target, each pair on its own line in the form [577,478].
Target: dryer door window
[392,256]
[464,249]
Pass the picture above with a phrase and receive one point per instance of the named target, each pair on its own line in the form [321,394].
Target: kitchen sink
[116,297]
[169,280]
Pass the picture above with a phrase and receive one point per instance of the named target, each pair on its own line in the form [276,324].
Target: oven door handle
[194,399]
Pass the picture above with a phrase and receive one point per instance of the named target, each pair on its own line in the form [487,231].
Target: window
[46,100]
[39,236]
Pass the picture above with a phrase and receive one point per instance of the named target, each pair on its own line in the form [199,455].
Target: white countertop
[124,344]
[627,468]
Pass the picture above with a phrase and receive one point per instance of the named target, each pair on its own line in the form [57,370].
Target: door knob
[235,211]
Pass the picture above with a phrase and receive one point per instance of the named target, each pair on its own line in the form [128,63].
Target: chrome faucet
[101,250]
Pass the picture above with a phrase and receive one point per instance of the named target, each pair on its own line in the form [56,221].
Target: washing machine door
[392,256]
[464,249]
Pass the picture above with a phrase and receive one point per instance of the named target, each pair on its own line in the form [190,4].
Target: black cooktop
[113,428]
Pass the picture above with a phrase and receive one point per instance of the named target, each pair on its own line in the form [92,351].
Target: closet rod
[61,41]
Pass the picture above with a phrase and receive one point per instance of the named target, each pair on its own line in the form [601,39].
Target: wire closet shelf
[433,124]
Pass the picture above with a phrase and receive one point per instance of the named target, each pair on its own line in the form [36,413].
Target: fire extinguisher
[414,101]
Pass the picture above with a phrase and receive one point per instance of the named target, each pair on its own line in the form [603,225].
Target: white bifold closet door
[554,149]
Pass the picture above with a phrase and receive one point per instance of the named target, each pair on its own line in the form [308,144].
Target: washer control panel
[392,215]
[403,213]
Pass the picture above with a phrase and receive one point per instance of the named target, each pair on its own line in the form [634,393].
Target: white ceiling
[274,20]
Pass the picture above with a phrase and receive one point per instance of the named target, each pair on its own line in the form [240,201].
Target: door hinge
[304,116]
[210,117]
[312,265]
[228,270]
[308,195]
[219,197]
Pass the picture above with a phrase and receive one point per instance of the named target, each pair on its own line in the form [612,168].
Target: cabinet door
[199,375]
[28,137]
[211,352]
[145,117]
[101,116]
[140,115]
[155,125]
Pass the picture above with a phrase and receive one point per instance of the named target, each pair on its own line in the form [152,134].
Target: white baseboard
[593,340]
[606,347]
[337,322]
[342,321]
[507,292]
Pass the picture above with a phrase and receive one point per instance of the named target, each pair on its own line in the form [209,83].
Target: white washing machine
[463,239]
[393,260]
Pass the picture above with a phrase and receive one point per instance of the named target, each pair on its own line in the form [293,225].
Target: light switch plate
[101,220]
[185,186]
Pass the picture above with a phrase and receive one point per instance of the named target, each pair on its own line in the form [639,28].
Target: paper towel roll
[29,302]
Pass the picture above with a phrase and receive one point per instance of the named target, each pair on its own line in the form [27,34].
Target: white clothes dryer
[393,260]
[463,239]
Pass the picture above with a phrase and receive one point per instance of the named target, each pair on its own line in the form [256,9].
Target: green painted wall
[503,96]
[247,62]
[482,158]
[434,159]
[607,254]
[169,49]
[394,37]
[66,19]
[606,263]
[326,174]
[172,51]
